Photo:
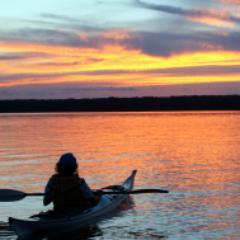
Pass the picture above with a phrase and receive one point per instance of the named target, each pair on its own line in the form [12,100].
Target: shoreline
[112,104]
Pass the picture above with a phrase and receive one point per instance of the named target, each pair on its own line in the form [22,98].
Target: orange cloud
[231,1]
[219,18]
[214,21]
[116,35]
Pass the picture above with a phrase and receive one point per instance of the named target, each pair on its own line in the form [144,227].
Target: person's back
[66,189]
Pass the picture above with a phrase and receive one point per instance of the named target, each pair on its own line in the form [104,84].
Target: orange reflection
[199,147]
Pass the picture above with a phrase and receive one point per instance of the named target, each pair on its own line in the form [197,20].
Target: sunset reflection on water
[193,154]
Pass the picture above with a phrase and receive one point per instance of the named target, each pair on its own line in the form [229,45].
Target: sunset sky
[121,48]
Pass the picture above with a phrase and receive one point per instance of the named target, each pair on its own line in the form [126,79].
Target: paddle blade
[10,195]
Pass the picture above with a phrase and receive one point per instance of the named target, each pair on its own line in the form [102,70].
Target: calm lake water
[195,155]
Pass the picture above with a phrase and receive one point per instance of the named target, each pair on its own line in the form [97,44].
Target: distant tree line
[183,103]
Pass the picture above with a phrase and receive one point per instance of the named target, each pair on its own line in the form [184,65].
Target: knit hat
[67,160]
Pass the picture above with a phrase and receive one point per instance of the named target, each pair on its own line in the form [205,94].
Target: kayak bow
[50,224]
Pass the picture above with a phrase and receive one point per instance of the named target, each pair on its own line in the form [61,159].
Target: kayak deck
[49,224]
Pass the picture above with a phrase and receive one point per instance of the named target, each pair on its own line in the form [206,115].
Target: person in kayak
[66,189]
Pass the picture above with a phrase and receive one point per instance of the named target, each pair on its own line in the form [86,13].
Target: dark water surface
[196,155]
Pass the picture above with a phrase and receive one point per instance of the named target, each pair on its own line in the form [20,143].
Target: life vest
[67,194]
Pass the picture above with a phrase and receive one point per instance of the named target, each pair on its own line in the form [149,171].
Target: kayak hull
[72,222]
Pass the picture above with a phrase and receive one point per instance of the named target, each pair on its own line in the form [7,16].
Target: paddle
[10,195]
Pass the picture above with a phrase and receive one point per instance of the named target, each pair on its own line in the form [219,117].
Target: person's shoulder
[81,180]
[53,177]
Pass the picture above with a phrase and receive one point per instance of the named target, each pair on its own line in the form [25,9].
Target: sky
[118,48]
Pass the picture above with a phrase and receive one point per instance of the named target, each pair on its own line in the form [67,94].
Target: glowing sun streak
[68,64]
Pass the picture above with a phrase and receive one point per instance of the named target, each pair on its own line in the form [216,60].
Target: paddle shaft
[137,191]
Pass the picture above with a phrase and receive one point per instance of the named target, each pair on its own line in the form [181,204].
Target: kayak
[51,224]
[47,225]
